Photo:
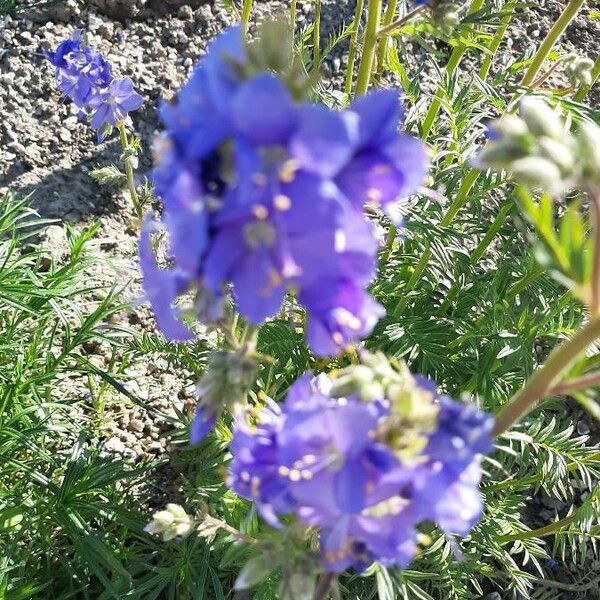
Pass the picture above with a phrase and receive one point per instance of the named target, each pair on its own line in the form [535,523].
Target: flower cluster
[265,193]
[366,473]
[539,151]
[84,76]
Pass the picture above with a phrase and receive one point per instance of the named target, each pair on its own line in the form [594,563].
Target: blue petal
[203,422]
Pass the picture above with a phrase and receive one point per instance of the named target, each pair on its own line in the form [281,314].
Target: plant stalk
[497,39]
[369,47]
[568,14]
[324,586]
[129,171]
[595,284]
[543,381]
[579,383]
[293,16]
[389,25]
[388,17]
[317,35]
[246,10]
[453,62]
[353,47]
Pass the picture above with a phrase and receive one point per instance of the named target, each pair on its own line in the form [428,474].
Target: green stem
[388,17]
[491,232]
[584,89]
[317,35]
[293,16]
[129,171]
[453,62]
[389,27]
[369,46]
[480,250]
[353,47]
[324,586]
[497,39]
[584,382]
[246,10]
[550,40]
[541,383]
[461,198]
[539,532]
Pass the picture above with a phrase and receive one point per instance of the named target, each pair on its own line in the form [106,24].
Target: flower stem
[579,383]
[129,171]
[595,283]
[461,198]
[369,46]
[497,39]
[584,89]
[246,10]
[543,381]
[317,35]
[293,16]
[324,586]
[389,25]
[388,17]
[539,532]
[453,62]
[353,47]
[553,36]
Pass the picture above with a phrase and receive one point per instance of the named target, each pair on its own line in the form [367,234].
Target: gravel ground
[45,151]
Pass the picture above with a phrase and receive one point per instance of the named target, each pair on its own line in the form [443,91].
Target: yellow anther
[381,169]
[295,475]
[282,202]
[260,211]
[374,195]
[288,169]
[283,471]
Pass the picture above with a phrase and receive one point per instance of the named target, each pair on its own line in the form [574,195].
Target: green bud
[579,70]
[541,119]
[588,138]
[536,172]
[499,154]
[511,126]
[559,153]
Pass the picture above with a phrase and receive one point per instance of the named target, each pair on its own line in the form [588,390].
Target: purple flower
[385,166]
[162,287]
[335,464]
[80,71]
[258,198]
[203,422]
[114,103]
[85,77]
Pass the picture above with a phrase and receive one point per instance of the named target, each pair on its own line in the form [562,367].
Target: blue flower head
[84,76]
[332,462]
[264,193]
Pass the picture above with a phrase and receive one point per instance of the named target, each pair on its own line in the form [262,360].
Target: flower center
[259,234]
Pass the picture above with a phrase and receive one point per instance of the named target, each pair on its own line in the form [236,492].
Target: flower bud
[509,126]
[537,172]
[559,153]
[579,70]
[541,119]
[588,139]
[170,523]
[500,154]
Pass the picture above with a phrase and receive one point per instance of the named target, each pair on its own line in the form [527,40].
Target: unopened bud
[170,523]
[541,119]
[559,153]
[579,70]
[537,172]
[501,153]
[509,126]
[589,144]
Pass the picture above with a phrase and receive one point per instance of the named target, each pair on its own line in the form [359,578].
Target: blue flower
[258,196]
[112,104]
[335,464]
[85,77]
